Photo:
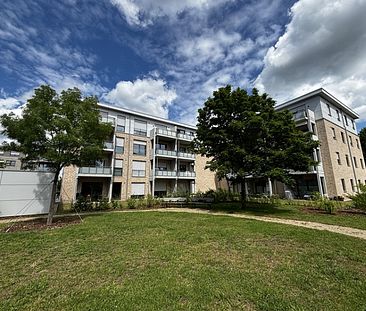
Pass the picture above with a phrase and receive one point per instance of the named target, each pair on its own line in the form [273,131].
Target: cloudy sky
[166,57]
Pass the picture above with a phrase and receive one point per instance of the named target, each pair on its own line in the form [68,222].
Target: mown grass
[349,219]
[178,261]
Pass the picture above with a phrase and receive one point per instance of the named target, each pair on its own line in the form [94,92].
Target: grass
[178,261]
[353,220]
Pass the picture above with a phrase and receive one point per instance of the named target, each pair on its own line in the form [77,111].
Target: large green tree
[243,135]
[63,129]
[362,135]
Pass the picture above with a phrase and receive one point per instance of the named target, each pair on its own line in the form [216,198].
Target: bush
[116,204]
[359,199]
[131,203]
[324,203]
[82,205]
[102,205]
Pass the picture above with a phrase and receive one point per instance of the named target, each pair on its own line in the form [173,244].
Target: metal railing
[92,170]
[165,173]
[166,152]
[108,145]
[186,155]
[166,132]
[187,174]
[107,120]
[185,136]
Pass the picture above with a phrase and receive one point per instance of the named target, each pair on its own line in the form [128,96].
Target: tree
[243,135]
[362,135]
[63,129]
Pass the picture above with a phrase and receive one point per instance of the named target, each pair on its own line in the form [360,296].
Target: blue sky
[166,57]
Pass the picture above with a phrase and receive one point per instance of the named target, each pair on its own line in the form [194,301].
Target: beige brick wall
[68,186]
[206,179]
[333,171]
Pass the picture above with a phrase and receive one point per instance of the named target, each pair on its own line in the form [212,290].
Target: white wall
[25,193]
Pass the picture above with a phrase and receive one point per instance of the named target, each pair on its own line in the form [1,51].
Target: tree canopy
[243,135]
[362,135]
[63,129]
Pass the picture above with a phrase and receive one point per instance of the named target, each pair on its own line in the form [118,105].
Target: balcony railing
[166,173]
[186,155]
[107,120]
[166,152]
[187,174]
[108,145]
[300,115]
[185,136]
[92,170]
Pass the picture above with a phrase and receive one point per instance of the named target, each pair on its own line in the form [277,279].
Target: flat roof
[324,94]
[147,116]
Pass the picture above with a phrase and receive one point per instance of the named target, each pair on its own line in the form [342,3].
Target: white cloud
[149,95]
[324,46]
[143,12]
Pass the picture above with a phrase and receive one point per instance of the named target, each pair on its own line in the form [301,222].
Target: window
[338,158]
[329,111]
[182,167]
[354,160]
[162,146]
[357,144]
[313,128]
[14,153]
[353,124]
[347,160]
[343,185]
[118,167]
[137,189]
[120,142]
[334,133]
[338,116]
[350,141]
[346,120]
[121,124]
[343,139]
[1,152]
[362,164]
[139,148]
[140,128]
[10,163]
[138,168]
[323,185]
[352,185]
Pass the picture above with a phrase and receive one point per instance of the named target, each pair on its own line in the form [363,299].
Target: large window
[139,147]
[140,128]
[118,167]
[138,168]
[137,189]
[347,160]
[120,143]
[343,185]
[121,124]
[338,158]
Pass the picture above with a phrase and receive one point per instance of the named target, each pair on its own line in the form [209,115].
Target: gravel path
[353,232]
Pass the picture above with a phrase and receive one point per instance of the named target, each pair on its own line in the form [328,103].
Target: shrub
[102,205]
[116,204]
[324,203]
[82,205]
[359,199]
[131,203]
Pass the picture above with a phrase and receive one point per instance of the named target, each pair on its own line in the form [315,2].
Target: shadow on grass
[253,208]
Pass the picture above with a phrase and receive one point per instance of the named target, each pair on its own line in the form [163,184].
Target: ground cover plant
[179,261]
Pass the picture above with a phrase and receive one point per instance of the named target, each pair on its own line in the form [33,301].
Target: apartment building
[341,163]
[10,160]
[144,155]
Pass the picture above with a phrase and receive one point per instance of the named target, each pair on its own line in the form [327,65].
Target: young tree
[62,129]
[244,136]
[362,135]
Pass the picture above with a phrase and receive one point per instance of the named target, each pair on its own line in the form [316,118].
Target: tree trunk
[243,194]
[53,206]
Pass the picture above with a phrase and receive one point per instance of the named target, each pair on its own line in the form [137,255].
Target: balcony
[107,120]
[187,174]
[300,116]
[108,145]
[92,170]
[167,153]
[162,132]
[186,155]
[165,173]
[188,137]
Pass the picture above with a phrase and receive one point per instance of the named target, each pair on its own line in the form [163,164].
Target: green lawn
[295,212]
[179,261]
